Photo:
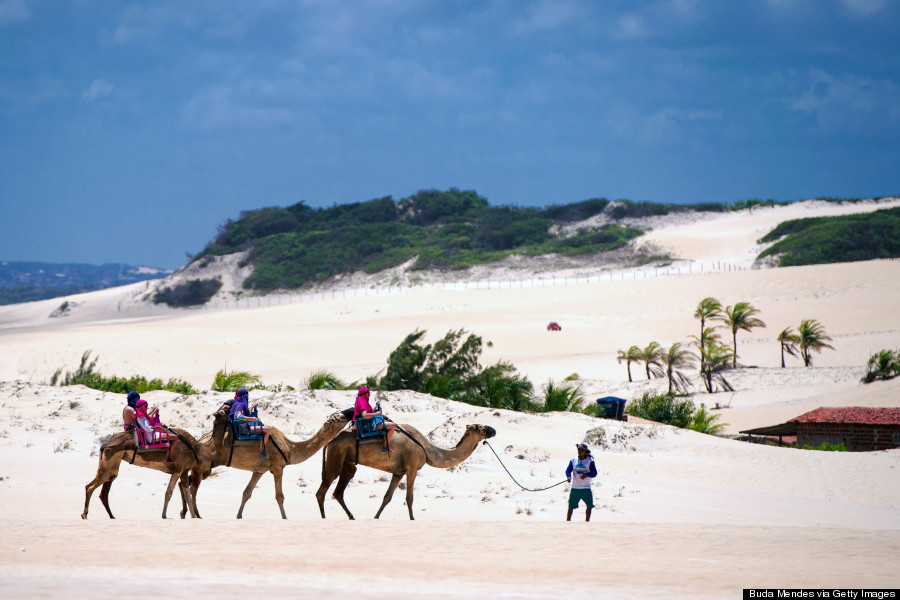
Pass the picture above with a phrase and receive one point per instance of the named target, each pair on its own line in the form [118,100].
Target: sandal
[262,455]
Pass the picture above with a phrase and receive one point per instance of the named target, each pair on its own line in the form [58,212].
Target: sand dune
[679,514]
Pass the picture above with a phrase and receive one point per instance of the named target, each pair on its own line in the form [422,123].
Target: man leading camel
[580,473]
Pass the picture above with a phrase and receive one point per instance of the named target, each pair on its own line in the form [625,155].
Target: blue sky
[130,130]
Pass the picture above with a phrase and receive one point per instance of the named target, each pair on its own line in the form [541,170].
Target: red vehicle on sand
[554,326]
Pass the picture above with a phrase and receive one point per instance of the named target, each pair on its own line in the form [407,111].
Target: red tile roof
[851,414]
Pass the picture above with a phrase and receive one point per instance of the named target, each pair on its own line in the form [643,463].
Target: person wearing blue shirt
[242,411]
[580,473]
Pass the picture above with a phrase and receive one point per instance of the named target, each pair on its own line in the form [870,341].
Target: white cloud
[100,88]
[13,11]
[631,27]
[546,16]
[664,126]
[847,103]
[863,8]
[222,106]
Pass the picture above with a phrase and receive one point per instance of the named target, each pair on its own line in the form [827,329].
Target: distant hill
[454,229]
[824,240]
[437,231]
[29,281]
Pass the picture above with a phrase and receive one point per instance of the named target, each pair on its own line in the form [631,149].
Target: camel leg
[188,497]
[193,487]
[173,481]
[410,480]
[104,497]
[106,474]
[248,491]
[320,493]
[347,474]
[279,494]
[395,481]
[184,506]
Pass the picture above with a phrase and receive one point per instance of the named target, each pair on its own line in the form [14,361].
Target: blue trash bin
[611,407]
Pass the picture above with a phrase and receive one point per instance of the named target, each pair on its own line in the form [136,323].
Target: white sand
[679,514]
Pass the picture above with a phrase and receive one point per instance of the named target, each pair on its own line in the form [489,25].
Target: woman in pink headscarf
[363,409]
[148,420]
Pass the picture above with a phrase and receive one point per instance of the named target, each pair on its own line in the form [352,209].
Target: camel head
[482,431]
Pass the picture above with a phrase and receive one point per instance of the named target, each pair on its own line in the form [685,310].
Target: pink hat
[363,391]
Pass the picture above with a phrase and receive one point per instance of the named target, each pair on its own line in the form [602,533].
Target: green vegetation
[704,421]
[884,364]
[662,408]
[822,240]
[291,247]
[229,381]
[324,380]
[86,375]
[561,398]
[827,447]
[192,293]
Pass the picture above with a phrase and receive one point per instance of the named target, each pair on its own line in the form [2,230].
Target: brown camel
[187,455]
[410,452]
[245,457]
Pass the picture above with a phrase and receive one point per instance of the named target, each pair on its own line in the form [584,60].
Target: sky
[131,131]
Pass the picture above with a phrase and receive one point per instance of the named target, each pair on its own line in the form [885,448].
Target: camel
[410,452]
[245,457]
[189,455]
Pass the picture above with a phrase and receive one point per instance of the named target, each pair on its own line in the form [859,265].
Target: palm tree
[705,422]
[651,356]
[228,382]
[325,380]
[675,358]
[707,310]
[812,339]
[714,358]
[741,317]
[561,398]
[631,355]
[788,340]
[884,364]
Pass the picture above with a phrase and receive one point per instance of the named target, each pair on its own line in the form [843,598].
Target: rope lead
[485,442]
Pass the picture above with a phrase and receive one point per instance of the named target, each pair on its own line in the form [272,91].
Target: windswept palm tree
[812,339]
[714,358]
[651,356]
[674,359]
[741,317]
[788,340]
[629,356]
[325,380]
[884,364]
[708,310]
[230,381]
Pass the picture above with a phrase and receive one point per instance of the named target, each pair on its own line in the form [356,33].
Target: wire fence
[133,303]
